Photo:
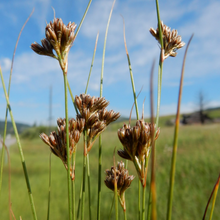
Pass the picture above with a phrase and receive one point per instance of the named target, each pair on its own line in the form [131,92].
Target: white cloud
[5,64]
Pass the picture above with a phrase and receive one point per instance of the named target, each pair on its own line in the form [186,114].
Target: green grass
[197,171]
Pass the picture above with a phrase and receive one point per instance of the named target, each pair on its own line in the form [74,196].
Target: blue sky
[33,75]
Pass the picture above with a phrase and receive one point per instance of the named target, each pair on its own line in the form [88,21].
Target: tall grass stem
[93,57]
[49,189]
[100,137]
[67,148]
[160,71]
[173,163]
[137,114]
[214,191]
[84,174]
[20,150]
[6,113]
[84,15]
[214,198]
[89,187]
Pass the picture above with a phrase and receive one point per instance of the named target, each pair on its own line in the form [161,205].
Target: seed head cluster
[97,118]
[92,120]
[123,180]
[136,143]
[57,140]
[59,37]
[171,40]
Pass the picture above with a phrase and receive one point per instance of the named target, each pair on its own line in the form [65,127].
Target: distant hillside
[20,126]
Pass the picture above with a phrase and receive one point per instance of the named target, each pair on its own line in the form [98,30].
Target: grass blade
[20,150]
[100,137]
[173,163]
[9,87]
[93,57]
[214,191]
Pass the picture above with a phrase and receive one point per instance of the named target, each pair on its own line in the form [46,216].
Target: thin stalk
[67,148]
[143,202]
[89,188]
[131,74]
[115,189]
[93,57]
[144,186]
[116,201]
[79,203]
[100,137]
[125,215]
[160,69]
[73,188]
[137,114]
[113,199]
[6,113]
[88,169]
[153,171]
[49,189]
[9,180]
[71,94]
[214,191]
[214,198]
[20,151]
[173,163]
[84,175]
[160,72]
[81,22]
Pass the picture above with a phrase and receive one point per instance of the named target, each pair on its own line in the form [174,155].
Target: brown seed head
[122,178]
[171,40]
[57,141]
[59,37]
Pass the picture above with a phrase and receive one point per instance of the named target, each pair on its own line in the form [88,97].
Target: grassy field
[198,166]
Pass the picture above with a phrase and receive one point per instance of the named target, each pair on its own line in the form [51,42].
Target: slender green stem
[143,202]
[137,114]
[139,199]
[67,148]
[88,169]
[113,199]
[79,203]
[99,179]
[214,198]
[6,113]
[20,150]
[214,191]
[71,94]
[115,191]
[89,187]
[173,163]
[73,187]
[125,215]
[81,22]
[49,189]
[84,175]
[213,201]
[160,71]
[93,57]
[100,137]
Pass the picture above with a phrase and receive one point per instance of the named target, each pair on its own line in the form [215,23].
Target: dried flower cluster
[171,40]
[123,181]
[93,118]
[59,37]
[97,118]
[57,141]
[137,143]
